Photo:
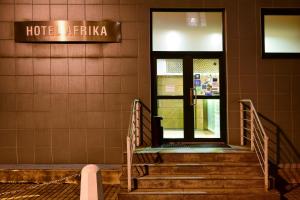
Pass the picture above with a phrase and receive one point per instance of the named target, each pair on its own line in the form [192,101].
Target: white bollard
[91,183]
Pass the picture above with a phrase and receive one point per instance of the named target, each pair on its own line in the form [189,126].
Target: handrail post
[128,164]
[138,123]
[266,164]
[242,123]
[252,126]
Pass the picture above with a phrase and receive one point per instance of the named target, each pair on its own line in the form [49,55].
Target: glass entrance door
[188,98]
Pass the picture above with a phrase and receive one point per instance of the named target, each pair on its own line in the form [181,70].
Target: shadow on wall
[145,125]
[284,158]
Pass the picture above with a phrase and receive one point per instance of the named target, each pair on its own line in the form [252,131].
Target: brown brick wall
[69,103]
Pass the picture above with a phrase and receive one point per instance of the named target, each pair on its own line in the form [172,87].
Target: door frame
[193,54]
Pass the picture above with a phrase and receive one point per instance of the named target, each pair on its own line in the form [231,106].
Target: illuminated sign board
[62,31]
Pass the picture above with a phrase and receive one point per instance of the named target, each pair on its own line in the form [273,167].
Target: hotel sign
[68,31]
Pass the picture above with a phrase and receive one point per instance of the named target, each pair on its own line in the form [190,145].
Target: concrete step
[199,194]
[209,168]
[198,181]
[233,156]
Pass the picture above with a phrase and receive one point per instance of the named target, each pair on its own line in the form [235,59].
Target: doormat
[202,145]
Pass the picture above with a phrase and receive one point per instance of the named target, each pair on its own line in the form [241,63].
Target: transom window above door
[187,31]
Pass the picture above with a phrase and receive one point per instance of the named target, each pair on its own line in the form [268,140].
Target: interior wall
[69,103]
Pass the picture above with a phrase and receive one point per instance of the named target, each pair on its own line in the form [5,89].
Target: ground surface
[49,192]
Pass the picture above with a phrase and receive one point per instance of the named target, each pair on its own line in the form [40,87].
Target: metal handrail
[133,137]
[259,141]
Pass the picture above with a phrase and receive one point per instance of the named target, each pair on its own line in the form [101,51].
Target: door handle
[192,103]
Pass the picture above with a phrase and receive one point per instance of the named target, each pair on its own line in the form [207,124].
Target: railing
[133,137]
[253,131]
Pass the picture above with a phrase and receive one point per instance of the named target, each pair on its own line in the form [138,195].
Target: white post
[138,123]
[91,183]
[266,163]
[252,126]
[128,164]
[242,123]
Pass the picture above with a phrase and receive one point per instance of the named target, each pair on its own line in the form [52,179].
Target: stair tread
[206,191]
[200,164]
[203,177]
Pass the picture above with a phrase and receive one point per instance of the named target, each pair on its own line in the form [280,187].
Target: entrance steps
[195,173]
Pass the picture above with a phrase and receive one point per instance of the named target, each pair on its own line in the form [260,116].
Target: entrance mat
[202,145]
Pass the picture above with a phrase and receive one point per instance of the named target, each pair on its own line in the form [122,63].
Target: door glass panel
[207,118]
[187,31]
[206,77]
[169,77]
[171,110]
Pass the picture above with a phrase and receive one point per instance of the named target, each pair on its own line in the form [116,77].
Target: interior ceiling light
[195,19]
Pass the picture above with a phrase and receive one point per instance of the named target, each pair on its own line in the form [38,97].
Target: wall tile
[94,50]
[129,66]
[59,50]
[76,12]
[94,84]
[58,1]
[26,155]
[6,30]
[76,66]
[41,12]
[93,1]
[41,66]
[25,138]
[42,120]
[23,12]
[24,84]
[129,84]
[41,50]
[24,102]
[129,48]
[112,84]
[111,50]
[77,119]
[111,1]
[114,155]
[7,66]
[60,137]
[7,48]
[94,66]
[93,12]
[23,50]
[7,102]
[111,12]
[43,155]
[41,102]
[59,84]
[42,84]
[128,13]
[77,84]
[77,102]
[41,1]
[59,12]
[95,120]
[112,66]
[25,120]
[59,102]
[61,155]
[8,155]
[59,119]
[112,120]
[112,102]
[8,138]
[7,12]
[59,66]
[76,50]
[95,102]
[8,120]
[129,30]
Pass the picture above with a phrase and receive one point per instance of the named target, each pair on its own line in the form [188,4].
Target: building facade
[70,103]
